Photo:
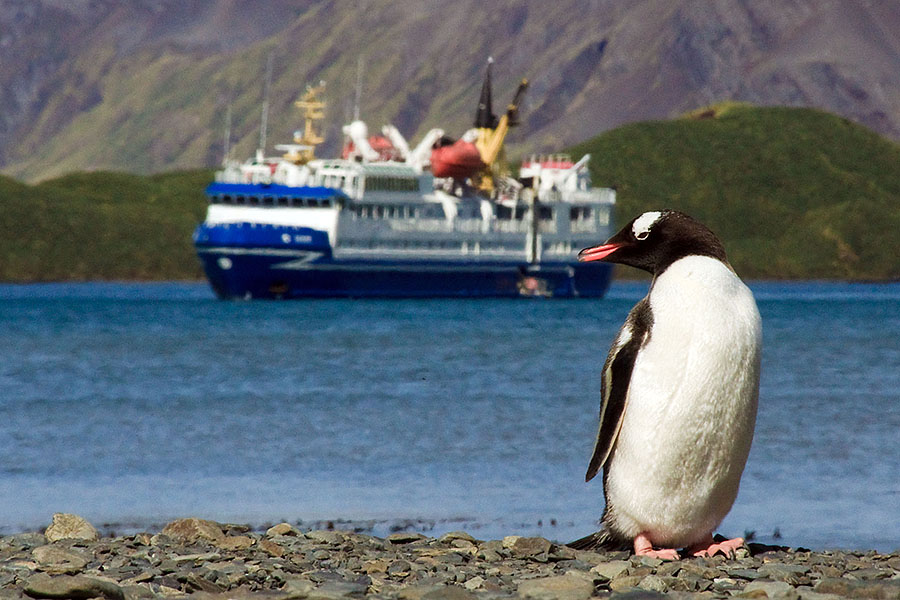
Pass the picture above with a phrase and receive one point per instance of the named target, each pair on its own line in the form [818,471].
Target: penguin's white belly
[691,407]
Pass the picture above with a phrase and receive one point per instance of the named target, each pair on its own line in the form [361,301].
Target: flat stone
[448,592]
[750,574]
[621,584]
[637,594]
[531,547]
[336,590]
[398,567]
[416,592]
[872,573]
[65,526]
[610,570]
[71,586]
[590,557]
[281,529]
[235,542]
[405,537]
[296,587]
[847,588]
[561,587]
[189,531]
[791,574]
[138,592]
[654,583]
[272,548]
[204,556]
[509,541]
[700,570]
[769,589]
[456,535]
[324,536]
[806,593]
[58,561]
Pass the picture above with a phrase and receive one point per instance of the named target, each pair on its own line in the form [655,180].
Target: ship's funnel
[485,117]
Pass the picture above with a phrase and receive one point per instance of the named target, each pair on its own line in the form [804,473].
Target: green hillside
[101,226]
[793,193]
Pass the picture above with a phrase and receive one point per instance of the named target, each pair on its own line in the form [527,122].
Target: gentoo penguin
[679,392]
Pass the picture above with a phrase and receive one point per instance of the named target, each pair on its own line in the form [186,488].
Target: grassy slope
[91,226]
[793,193]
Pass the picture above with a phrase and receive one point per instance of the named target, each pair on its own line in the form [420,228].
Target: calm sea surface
[133,404]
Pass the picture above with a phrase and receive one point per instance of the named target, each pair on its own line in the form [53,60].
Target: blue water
[133,404]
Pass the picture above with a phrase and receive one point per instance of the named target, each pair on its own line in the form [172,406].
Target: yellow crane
[492,132]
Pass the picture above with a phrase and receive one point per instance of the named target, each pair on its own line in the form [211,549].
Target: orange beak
[597,252]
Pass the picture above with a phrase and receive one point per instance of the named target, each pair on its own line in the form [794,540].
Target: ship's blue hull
[244,261]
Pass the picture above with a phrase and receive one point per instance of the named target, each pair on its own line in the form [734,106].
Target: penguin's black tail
[600,540]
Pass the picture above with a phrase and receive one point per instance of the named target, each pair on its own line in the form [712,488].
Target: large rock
[75,587]
[535,548]
[282,529]
[562,587]
[55,560]
[70,527]
[189,531]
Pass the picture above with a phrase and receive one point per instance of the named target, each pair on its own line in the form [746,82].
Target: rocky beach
[204,559]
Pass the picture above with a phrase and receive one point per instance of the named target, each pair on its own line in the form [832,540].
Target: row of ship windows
[391,184]
[273,201]
[374,183]
[431,245]
[400,211]
[369,211]
[435,211]
[464,247]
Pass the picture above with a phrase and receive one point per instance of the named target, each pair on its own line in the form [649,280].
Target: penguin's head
[656,239]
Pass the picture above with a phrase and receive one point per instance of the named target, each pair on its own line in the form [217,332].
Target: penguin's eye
[642,235]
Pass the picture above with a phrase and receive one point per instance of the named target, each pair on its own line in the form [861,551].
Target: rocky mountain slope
[145,85]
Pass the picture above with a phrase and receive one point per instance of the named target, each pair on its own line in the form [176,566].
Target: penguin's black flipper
[616,379]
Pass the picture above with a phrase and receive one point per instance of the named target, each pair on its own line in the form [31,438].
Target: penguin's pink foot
[644,547]
[709,547]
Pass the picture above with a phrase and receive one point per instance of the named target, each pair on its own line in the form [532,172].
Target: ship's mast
[263,126]
[313,108]
[227,144]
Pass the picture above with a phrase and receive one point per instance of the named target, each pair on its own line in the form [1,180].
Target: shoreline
[70,559]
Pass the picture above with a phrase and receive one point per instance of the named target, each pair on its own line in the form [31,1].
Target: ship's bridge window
[545,213]
[268,201]
[240,200]
[282,201]
[381,183]
[254,200]
[580,213]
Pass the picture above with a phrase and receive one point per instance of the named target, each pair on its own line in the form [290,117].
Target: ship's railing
[468,226]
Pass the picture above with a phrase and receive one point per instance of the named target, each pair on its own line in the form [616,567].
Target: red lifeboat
[459,160]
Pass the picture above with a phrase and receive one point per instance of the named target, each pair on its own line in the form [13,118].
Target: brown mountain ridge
[144,86]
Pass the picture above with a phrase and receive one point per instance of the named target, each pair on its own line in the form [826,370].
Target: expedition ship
[387,220]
